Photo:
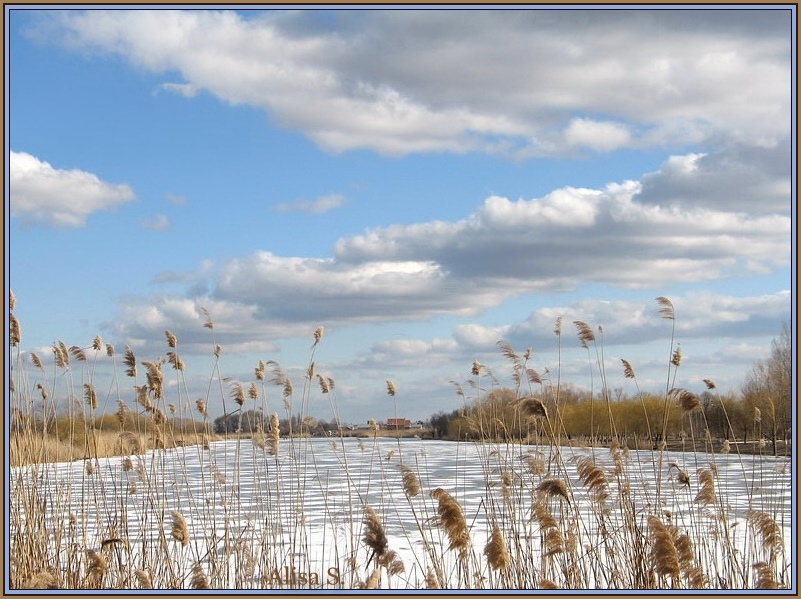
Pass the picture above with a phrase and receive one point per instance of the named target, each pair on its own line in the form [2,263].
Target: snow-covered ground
[258,520]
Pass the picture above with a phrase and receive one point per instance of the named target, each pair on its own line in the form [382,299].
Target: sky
[422,183]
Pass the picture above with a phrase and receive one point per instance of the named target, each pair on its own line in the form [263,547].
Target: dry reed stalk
[453,521]
[180,530]
[593,478]
[496,550]
[374,536]
[411,483]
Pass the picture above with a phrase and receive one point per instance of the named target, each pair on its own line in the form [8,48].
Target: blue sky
[422,183]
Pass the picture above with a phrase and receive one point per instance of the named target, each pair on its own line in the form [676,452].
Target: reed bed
[143,504]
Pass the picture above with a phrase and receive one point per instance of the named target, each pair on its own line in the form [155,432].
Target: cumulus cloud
[751,179]
[43,194]
[514,81]
[319,206]
[506,248]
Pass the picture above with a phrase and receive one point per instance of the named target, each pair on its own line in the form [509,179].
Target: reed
[118,489]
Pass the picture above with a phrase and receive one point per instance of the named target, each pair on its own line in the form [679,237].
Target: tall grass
[153,500]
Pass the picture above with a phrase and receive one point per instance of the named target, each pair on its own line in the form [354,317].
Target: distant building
[398,423]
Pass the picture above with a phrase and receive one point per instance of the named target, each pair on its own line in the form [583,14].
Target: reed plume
[237,393]
[554,487]
[666,308]
[677,356]
[411,483]
[97,565]
[90,395]
[391,389]
[374,580]
[129,359]
[496,550]
[180,530]
[663,555]
[628,371]
[765,578]
[431,580]
[548,584]
[275,433]
[767,530]
[144,579]
[175,361]
[199,579]
[318,334]
[452,521]
[155,378]
[392,562]
[585,333]
[15,331]
[593,478]
[172,340]
[531,406]
[685,399]
[374,536]
[706,494]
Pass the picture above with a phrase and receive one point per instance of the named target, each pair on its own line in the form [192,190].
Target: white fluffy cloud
[56,197]
[521,81]
[505,248]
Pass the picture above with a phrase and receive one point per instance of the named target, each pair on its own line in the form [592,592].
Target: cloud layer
[540,82]
[615,236]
